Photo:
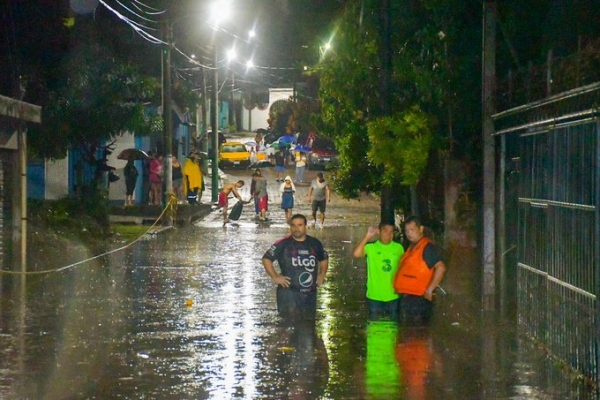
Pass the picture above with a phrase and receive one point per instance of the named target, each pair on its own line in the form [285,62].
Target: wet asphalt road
[190,314]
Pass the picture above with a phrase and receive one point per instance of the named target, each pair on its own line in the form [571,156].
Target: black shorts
[415,310]
[295,305]
[319,205]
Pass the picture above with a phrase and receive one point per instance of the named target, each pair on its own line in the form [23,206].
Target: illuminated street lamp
[220,11]
[215,129]
[167,116]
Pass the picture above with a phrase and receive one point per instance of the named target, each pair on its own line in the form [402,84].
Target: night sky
[37,35]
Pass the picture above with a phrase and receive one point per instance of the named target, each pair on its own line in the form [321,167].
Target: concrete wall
[255,118]
[56,179]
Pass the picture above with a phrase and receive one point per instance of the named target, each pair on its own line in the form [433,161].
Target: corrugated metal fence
[551,184]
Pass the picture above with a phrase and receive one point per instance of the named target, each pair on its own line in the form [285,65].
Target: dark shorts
[383,309]
[319,205]
[192,195]
[415,310]
[294,305]
[279,168]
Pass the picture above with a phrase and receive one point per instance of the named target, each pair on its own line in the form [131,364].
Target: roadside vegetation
[72,221]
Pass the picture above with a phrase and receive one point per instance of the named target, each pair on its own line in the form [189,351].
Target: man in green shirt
[383,257]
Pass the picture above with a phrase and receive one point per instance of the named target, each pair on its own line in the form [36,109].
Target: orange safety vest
[413,275]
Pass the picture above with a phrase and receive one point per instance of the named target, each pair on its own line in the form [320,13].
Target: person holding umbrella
[279,165]
[300,166]
[130,171]
[131,175]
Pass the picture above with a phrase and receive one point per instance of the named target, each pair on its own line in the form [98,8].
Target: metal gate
[549,167]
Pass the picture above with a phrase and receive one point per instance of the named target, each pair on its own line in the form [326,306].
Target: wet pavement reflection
[190,314]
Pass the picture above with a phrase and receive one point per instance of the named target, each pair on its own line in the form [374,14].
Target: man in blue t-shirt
[303,264]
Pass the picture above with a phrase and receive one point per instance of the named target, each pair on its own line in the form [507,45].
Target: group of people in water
[401,283]
[319,194]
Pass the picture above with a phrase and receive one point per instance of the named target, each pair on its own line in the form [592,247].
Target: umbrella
[132,154]
[303,149]
[287,139]
[262,164]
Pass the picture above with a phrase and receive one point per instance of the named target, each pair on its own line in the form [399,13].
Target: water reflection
[192,315]
[415,355]
[382,375]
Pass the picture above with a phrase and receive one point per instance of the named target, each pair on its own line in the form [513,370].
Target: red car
[323,155]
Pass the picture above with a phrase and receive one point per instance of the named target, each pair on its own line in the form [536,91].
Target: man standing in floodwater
[383,256]
[421,270]
[319,195]
[303,263]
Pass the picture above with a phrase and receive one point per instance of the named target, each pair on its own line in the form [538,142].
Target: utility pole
[167,116]
[215,128]
[387,193]
[233,120]
[205,119]
[489,179]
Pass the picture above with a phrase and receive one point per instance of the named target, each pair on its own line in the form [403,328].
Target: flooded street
[191,314]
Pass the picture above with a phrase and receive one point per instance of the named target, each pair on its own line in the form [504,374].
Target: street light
[220,11]
[167,116]
[215,129]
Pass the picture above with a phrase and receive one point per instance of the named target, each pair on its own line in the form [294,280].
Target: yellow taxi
[234,155]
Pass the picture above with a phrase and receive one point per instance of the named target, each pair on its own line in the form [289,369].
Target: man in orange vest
[421,270]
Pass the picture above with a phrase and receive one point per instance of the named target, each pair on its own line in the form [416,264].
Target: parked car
[234,154]
[322,155]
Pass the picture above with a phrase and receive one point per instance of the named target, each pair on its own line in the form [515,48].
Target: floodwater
[190,314]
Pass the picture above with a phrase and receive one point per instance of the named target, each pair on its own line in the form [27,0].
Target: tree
[352,97]
[101,98]
[380,80]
